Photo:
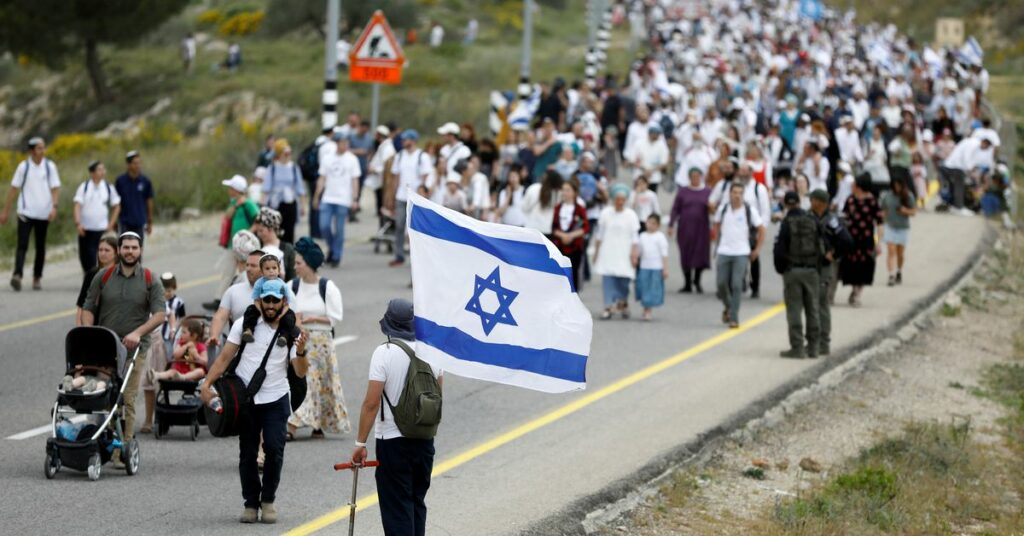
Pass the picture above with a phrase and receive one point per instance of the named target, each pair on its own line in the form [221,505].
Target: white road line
[45,429]
[344,339]
[79,418]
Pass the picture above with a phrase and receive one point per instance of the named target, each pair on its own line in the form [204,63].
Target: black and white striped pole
[329,117]
[590,59]
[604,35]
[524,67]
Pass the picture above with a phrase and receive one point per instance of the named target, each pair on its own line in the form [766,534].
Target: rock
[782,464]
[245,107]
[190,213]
[810,465]
[953,300]
[760,462]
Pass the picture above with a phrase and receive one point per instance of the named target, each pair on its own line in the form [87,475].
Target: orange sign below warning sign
[377,56]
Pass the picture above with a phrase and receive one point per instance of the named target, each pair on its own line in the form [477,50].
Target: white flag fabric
[495,302]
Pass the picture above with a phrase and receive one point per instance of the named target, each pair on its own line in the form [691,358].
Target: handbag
[225,232]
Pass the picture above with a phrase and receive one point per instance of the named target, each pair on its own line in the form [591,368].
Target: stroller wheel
[94,467]
[52,466]
[131,453]
[194,430]
[158,430]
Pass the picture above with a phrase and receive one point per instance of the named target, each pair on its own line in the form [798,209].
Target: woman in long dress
[324,407]
[689,220]
[862,213]
[616,252]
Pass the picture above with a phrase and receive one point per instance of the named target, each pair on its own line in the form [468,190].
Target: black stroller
[87,446]
[184,409]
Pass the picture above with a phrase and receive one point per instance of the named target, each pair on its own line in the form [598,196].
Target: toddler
[78,380]
[189,355]
[175,310]
[453,197]
[270,267]
[919,172]
[643,201]
[650,281]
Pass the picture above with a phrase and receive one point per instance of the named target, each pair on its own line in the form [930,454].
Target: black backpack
[309,162]
[806,247]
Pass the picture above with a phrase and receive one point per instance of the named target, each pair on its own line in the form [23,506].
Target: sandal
[288,436]
[317,434]
[146,429]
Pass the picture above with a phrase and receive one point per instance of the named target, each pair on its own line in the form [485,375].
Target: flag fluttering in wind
[495,302]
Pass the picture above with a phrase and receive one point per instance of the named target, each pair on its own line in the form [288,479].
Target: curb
[598,510]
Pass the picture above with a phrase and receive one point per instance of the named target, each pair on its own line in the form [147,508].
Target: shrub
[243,23]
[210,17]
[77,143]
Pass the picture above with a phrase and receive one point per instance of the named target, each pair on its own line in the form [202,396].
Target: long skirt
[650,288]
[324,407]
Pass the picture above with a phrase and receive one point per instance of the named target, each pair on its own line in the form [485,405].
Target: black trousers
[403,479]
[576,258]
[289,217]
[27,226]
[314,216]
[88,246]
[270,421]
[755,275]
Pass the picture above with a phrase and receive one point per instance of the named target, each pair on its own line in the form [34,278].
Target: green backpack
[418,412]
[806,247]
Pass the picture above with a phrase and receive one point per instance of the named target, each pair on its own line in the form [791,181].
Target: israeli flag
[495,302]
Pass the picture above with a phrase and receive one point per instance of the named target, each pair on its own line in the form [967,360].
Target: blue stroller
[87,446]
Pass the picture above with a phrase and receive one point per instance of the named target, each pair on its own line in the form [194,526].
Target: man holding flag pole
[491,302]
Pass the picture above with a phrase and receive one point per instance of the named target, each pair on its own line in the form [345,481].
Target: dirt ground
[931,378]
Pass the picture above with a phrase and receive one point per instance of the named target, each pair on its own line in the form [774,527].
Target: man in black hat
[403,476]
[798,253]
[836,240]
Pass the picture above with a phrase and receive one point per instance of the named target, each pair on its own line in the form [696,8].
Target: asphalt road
[507,458]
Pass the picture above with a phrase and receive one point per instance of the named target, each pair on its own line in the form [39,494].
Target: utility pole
[329,117]
[524,68]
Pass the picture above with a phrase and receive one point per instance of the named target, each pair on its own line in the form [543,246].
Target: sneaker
[892,281]
[16,283]
[395,263]
[282,342]
[823,349]
[247,336]
[734,325]
[686,290]
[37,284]
[249,515]
[792,354]
[268,514]
[966,212]
[754,294]
[899,278]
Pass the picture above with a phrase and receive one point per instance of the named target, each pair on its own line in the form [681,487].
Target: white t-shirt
[453,154]
[237,298]
[514,213]
[276,383]
[96,200]
[653,250]
[308,302]
[390,365]
[644,204]
[755,194]
[338,171]
[36,198]
[734,235]
[410,168]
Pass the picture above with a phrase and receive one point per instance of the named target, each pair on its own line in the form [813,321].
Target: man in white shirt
[403,476]
[814,166]
[636,131]
[268,414]
[735,223]
[412,167]
[96,208]
[453,151]
[698,156]
[338,184]
[970,153]
[375,168]
[757,197]
[649,156]
[848,140]
[36,186]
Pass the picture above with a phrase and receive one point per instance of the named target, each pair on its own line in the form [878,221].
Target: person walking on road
[136,193]
[412,167]
[36,186]
[284,190]
[837,240]
[569,226]
[862,214]
[339,185]
[740,233]
[403,476]
[689,221]
[898,206]
[268,414]
[798,251]
[97,206]
[239,216]
[318,305]
[617,252]
[127,299]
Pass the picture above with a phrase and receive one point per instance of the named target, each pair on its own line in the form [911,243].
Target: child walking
[650,281]
[270,267]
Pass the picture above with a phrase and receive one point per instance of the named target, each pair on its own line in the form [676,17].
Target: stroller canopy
[94,346]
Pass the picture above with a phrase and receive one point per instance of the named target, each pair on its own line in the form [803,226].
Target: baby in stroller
[190,357]
[86,379]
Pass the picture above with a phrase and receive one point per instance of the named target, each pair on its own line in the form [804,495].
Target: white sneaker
[966,212]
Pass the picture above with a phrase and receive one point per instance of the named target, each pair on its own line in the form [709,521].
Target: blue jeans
[333,234]
[270,420]
[616,289]
[730,271]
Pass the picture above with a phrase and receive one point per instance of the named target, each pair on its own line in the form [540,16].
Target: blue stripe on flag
[460,345]
[529,255]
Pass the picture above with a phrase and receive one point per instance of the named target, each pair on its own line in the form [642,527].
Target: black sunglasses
[270,299]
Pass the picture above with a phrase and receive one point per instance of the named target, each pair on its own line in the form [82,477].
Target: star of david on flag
[495,302]
[505,298]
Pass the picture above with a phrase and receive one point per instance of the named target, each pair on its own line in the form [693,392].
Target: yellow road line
[71,312]
[572,407]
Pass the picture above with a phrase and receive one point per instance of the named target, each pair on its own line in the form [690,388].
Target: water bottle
[68,430]
[216,405]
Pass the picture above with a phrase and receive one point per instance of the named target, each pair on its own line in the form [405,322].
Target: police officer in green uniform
[836,240]
[798,252]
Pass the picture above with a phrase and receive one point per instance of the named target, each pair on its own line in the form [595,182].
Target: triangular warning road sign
[377,45]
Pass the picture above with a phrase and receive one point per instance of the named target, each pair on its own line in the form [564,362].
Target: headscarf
[270,219]
[244,243]
[619,189]
[310,252]
[398,320]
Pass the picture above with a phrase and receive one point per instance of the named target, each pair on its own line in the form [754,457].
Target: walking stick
[355,484]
